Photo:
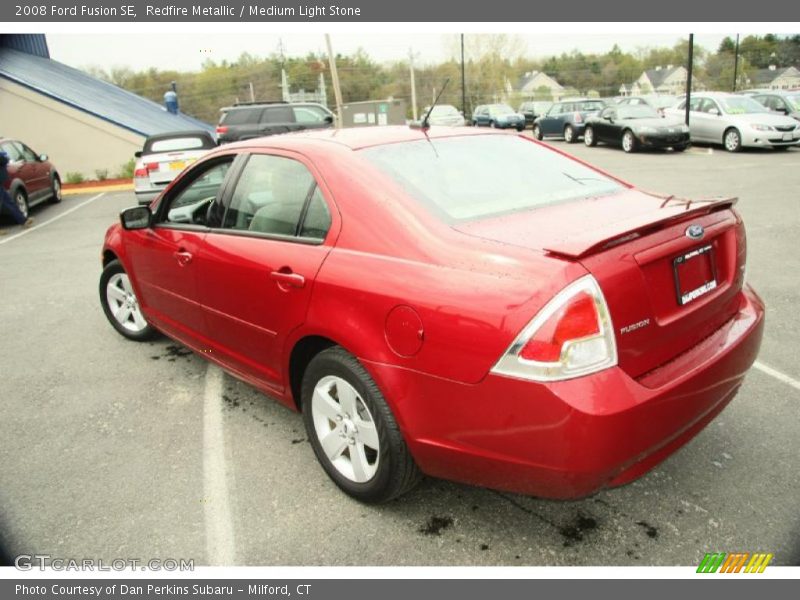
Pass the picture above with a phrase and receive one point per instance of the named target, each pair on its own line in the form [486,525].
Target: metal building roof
[91,95]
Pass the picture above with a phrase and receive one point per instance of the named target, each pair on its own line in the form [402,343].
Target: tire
[21,200]
[588,137]
[569,135]
[474,123]
[680,148]
[121,306]
[537,133]
[629,143]
[342,405]
[55,186]
[520,128]
[492,124]
[781,148]
[732,140]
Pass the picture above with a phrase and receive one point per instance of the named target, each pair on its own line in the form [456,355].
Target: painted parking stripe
[220,549]
[53,220]
[777,375]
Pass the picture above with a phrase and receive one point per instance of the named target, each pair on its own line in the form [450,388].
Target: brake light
[151,166]
[222,129]
[140,172]
[578,117]
[570,337]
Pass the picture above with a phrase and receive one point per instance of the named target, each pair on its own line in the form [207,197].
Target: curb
[96,189]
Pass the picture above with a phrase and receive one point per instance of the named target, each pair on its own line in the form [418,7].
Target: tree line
[493,65]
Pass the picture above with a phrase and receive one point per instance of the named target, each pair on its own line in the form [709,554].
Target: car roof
[356,138]
[175,134]
[252,105]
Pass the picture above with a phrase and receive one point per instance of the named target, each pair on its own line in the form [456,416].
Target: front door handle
[183,257]
[285,277]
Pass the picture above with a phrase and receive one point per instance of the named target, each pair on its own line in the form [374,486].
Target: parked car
[533,109]
[658,102]
[32,178]
[499,116]
[163,156]
[735,121]
[634,127]
[786,103]
[252,120]
[444,114]
[428,316]
[567,119]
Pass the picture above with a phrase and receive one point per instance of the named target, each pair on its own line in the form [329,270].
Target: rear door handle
[287,277]
[183,257]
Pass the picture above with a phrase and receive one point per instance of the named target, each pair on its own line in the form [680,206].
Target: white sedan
[737,121]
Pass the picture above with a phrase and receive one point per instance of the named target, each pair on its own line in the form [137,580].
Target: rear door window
[278,114]
[241,116]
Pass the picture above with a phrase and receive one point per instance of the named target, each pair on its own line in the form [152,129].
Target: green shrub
[75,177]
[126,170]
[101,174]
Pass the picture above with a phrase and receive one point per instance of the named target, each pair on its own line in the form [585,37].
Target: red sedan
[470,305]
[32,178]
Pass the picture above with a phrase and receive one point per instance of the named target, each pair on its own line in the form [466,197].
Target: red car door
[34,172]
[164,258]
[257,271]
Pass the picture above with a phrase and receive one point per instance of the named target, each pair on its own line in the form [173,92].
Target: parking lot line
[216,504]
[53,220]
[777,375]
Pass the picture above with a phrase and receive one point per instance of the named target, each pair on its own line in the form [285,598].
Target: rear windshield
[189,142]
[474,177]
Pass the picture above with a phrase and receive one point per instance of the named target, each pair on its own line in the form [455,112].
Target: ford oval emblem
[695,232]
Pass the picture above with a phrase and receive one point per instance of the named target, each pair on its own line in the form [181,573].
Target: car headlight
[760,127]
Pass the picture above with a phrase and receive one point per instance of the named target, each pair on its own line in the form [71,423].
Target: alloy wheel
[123,303]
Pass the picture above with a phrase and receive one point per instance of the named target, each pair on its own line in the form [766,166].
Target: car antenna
[425,125]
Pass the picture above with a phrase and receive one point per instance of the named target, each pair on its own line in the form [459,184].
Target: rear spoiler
[672,210]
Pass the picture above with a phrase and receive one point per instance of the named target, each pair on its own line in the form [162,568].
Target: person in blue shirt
[6,201]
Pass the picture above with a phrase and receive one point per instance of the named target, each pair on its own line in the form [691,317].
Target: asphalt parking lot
[113,449]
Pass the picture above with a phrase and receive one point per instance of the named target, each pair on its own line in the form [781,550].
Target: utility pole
[736,63]
[463,80]
[689,77]
[337,92]
[413,84]
[252,93]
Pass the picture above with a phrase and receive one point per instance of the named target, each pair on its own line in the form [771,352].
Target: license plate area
[695,274]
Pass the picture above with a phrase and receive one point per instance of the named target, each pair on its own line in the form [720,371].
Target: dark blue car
[500,116]
[567,119]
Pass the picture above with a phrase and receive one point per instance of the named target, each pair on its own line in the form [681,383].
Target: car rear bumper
[572,438]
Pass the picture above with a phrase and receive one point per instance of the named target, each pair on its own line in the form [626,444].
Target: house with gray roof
[778,78]
[83,123]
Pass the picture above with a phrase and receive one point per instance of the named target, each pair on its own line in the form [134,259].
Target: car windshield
[638,111]
[193,142]
[663,101]
[590,105]
[741,105]
[444,110]
[500,109]
[474,177]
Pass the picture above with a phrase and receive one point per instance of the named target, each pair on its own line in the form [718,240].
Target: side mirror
[138,217]
[43,157]
[138,154]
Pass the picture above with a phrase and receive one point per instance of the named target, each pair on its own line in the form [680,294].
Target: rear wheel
[680,148]
[21,200]
[569,135]
[520,128]
[537,133]
[629,141]
[120,304]
[732,140]
[352,430]
[588,137]
[492,124]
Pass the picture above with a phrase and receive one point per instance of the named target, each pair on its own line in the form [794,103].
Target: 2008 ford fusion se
[470,305]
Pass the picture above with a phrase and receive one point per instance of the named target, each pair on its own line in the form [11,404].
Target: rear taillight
[578,117]
[140,173]
[571,336]
[221,129]
[153,166]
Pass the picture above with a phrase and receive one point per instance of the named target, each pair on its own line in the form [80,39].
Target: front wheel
[680,148]
[492,124]
[569,135]
[520,128]
[629,142]
[352,430]
[588,137]
[537,133]
[120,304]
[732,140]
[55,188]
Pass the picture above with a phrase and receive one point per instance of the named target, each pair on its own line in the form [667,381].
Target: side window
[709,105]
[193,203]
[694,105]
[554,110]
[25,153]
[318,219]
[241,116]
[309,114]
[778,104]
[278,114]
[269,196]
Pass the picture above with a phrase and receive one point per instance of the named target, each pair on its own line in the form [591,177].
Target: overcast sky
[186,52]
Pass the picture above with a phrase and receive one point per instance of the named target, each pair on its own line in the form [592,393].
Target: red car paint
[429,308]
